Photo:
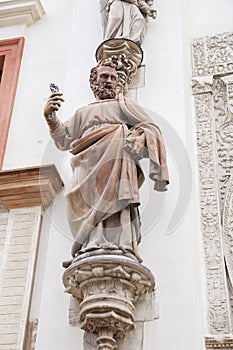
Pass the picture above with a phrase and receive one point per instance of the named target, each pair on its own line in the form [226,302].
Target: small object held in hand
[53,88]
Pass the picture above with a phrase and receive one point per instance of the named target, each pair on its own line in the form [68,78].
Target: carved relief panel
[213,58]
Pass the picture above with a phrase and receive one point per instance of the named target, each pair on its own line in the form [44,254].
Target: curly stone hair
[93,74]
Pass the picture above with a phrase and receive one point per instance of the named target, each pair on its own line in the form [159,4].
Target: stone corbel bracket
[126,56]
[107,288]
[13,12]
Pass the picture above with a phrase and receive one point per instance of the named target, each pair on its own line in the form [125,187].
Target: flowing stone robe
[103,194]
[125,19]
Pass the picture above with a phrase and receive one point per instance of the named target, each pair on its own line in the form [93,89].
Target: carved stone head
[103,80]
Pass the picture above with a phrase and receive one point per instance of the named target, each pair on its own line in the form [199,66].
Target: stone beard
[103,91]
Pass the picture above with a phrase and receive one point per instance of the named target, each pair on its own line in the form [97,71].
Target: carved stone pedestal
[107,288]
[126,56]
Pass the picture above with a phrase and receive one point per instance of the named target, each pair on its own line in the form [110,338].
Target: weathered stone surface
[213,60]
[126,57]
[106,289]
[126,18]
[213,55]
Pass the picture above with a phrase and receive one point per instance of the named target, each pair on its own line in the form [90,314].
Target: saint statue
[126,18]
[107,139]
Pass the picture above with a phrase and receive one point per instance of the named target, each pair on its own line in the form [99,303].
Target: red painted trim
[12,49]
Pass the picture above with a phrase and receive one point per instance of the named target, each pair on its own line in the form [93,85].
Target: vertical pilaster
[218,308]
[17,275]
[213,59]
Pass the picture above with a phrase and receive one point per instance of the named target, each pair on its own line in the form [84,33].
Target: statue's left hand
[136,146]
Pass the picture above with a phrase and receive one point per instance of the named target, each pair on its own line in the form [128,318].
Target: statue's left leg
[129,236]
[115,19]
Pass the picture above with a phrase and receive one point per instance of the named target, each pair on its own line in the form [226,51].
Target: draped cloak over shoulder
[103,194]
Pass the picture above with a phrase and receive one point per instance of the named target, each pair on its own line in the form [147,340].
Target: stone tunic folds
[103,194]
[125,20]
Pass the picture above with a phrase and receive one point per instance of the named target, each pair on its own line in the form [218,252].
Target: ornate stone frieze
[218,299]
[228,80]
[213,55]
[201,86]
[106,289]
[228,232]
[230,286]
[224,137]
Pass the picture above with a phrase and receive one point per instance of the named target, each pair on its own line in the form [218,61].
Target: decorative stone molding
[228,229]
[228,80]
[29,187]
[13,12]
[224,343]
[31,335]
[126,56]
[224,137]
[219,316]
[213,92]
[107,288]
[11,50]
[201,86]
[213,55]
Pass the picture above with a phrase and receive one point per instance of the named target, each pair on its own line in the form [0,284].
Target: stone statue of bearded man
[107,139]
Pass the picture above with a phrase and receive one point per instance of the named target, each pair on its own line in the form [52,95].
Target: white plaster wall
[50,303]
[61,48]
[44,60]
[210,17]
